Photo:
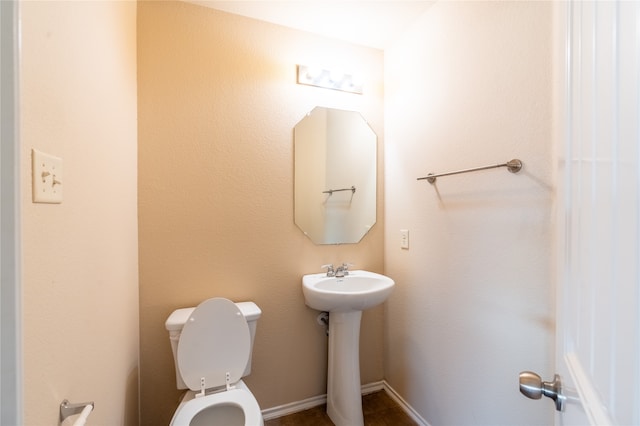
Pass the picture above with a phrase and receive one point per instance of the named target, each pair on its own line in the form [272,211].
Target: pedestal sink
[345,298]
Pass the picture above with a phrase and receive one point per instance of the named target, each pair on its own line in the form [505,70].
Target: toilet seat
[214,346]
[240,397]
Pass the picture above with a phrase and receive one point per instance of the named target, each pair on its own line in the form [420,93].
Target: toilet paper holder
[68,409]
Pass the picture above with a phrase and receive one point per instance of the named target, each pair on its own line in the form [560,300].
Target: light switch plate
[46,177]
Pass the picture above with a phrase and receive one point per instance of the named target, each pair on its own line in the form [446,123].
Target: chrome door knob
[532,386]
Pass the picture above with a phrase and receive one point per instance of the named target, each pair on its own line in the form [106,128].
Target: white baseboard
[404,405]
[372,387]
[293,407]
[305,404]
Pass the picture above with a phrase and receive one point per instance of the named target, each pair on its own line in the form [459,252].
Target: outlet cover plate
[404,239]
[46,177]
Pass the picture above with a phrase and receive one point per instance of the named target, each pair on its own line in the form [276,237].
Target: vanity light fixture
[328,79]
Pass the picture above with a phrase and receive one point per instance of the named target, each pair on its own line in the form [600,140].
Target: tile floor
[378,408]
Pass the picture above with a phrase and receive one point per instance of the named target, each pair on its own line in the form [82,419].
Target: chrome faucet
[343,270]
[330,271]
[338,272]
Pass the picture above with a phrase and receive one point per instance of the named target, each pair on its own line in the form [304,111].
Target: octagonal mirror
[335,176]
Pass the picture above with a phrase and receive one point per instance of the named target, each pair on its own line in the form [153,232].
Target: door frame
[10,258]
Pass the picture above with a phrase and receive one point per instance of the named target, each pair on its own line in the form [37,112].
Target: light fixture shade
[328,79]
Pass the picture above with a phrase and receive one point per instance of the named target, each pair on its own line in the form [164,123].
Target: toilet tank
[176,321]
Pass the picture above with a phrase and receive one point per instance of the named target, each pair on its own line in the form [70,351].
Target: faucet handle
[330,271]
[344,269]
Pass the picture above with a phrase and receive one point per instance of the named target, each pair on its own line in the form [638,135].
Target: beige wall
[79,272]
[470,85]
[217,106]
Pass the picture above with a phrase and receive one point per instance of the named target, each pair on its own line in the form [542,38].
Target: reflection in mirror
[335,176]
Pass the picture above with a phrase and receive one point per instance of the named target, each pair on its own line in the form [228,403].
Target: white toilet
[212,346]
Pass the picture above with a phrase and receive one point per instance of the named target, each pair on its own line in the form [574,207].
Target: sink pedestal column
[344,395]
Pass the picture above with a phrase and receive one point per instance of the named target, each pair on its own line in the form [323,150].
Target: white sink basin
[357,291]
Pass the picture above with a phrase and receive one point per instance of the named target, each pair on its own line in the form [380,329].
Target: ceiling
[369,23]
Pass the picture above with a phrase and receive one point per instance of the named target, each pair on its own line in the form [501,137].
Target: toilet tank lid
[176,320]
[250,310]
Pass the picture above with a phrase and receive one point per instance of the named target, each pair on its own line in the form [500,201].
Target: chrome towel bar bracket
[514,166]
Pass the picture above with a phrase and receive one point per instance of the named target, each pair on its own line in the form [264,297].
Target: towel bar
[514,166]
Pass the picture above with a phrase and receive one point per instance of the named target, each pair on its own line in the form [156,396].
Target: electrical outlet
[404,238]
[46,177]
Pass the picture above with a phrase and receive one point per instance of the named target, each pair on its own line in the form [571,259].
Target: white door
[598,298]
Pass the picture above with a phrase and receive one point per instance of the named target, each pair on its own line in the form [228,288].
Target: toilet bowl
[212,346]
[233,407]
